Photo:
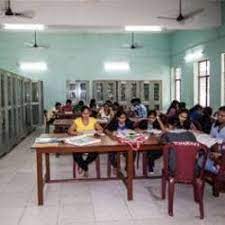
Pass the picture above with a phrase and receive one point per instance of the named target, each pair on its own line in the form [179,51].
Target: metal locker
[123,94]
[98,91]
[104,90]
[37,103]
[78,90]
[27,104]
[127,90]
[145,92]
[156,95]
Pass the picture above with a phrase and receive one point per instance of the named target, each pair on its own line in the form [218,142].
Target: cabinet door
[134,89]
[37,103]
[156,95]
[83,92]
[72,91]
[3,133]
[123,93]
[2,77]
[110,92]
[98,91]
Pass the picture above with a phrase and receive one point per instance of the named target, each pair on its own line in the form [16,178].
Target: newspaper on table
[207,140]
[81,140]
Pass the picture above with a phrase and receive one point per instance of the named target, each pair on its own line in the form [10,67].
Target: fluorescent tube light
[33,66]
[193,56]
[143,28]
[9,26]
[116,66]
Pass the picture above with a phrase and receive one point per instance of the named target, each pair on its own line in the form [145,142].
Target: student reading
[80,125]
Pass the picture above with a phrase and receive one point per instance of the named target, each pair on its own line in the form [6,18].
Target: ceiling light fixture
[33,66]
[143,28]
[116,66]
[9,26]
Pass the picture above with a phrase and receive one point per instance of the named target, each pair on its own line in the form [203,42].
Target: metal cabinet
[16,108]
[104,90]
[78,90]
[127,90]
[37,103]
[151,94]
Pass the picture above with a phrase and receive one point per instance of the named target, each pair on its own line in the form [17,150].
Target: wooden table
[67,115]
[106,145]
[61,125]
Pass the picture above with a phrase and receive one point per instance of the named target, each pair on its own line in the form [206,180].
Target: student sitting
[68,106]
[218,128]
[182,121]
[51,115]
[152,122]
[119,123]
[79,126]
[218,132]
[206,120]
[106,112]
[173,109]
[138,108]
[77,108]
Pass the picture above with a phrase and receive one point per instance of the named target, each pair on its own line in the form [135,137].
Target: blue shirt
[141,111]
[217,133]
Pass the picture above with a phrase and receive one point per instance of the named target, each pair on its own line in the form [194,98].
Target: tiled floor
[91,203]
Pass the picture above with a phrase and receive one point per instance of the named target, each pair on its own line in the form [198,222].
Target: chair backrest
[180,160]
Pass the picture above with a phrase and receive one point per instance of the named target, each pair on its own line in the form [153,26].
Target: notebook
[46,140]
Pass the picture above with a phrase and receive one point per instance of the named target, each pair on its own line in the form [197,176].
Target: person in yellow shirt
[83,124]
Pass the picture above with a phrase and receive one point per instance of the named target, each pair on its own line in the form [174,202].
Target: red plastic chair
[184,171]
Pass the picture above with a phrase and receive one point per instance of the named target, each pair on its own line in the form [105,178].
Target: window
[203,82]
[222,79]
[177,83]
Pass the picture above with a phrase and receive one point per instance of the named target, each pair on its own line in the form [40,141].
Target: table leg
[47,166]
[144,163]
[130,175]
[40,184]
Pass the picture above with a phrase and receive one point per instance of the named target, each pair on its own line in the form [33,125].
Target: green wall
[73,55]
[212,42]
[81,56]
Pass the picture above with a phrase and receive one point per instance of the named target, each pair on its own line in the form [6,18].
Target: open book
[81,140]
[206,139]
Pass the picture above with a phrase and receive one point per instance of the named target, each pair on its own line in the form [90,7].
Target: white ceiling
[113,15]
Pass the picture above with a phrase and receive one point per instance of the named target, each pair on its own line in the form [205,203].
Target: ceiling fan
[181,17]
[35,44]
[133,44]
[9,12]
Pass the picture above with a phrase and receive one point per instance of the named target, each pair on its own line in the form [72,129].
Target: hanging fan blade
[181,18]
[28,44]
[25,14]
[35,44]
[194,13]
[32,45]
[166,18]
[132,45]
[9,12]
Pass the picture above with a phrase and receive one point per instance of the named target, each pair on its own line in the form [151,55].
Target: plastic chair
[180,160]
